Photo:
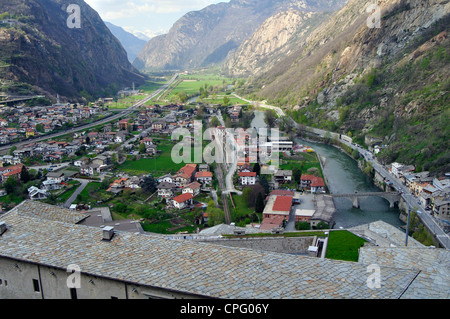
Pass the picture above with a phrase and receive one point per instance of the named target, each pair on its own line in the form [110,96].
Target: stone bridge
[393,198]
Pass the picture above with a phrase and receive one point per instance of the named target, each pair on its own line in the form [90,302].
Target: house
[278,206]
[183,201]
[205,178]
[37,194]
[11,171]
[82,161]
[313,183]
[29,132]
[283,177]
[123,125]
[185,175]
[159,125]
[317,185]
[56,177]
[442,209]
[166,179]
[166,190]
[193,188]
[120,137]
[90,170]
[247,178]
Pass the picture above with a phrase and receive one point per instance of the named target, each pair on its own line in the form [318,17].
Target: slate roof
[432,267]
[194,268]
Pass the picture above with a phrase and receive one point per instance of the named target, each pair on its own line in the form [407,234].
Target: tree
[246,194]
[259,205]
[226,100]
[40,128]
[297,175]
[12,149]
[10,185]
[215,121]
[25,175]
[216,215]
[270,118]
[142,148]
[149,184]
[264,183]
[257,169]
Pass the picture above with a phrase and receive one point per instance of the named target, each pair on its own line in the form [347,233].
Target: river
[344,177]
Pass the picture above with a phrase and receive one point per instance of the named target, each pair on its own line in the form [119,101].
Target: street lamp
[407,226]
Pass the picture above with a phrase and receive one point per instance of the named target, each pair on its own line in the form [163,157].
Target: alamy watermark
[374,19]
[74,279]
[228,146]
[74,19]
[374,279]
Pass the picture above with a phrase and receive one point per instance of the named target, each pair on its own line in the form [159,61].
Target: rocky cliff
[277,37]
[389,82]
[207,37]
[39,53]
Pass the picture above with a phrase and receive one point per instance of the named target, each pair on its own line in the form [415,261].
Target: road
[413,203]
[100,122]
[262,104]
[80,188]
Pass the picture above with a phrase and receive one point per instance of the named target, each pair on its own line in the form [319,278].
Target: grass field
[343,245]
[310,160]
[158,166]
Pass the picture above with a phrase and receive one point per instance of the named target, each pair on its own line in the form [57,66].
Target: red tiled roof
[183,198]
[247,174]
[283,204]
[317,182]
[280,192]
[203,174]
[194,185]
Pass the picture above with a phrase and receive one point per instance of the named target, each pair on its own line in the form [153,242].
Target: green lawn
[241,209]
[159,165]
[310,160]
[343,245]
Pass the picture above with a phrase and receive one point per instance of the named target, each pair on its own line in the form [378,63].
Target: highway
[117,116]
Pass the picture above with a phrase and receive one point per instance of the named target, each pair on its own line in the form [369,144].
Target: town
[126,167]
[127,176]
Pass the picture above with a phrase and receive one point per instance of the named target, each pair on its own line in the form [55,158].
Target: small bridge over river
[393,198]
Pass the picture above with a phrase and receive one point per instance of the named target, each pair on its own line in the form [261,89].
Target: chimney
[3,228]
[108,233]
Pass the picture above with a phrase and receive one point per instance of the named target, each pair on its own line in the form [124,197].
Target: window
[36,285]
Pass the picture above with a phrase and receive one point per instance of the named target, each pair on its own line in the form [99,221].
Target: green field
[343,245]
[310,160]
[158,166]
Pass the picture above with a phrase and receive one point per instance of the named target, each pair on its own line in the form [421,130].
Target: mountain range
[208,37]
[41,54]
[131,43]
[329,65]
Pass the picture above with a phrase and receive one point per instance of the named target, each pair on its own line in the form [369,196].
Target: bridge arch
[392,198]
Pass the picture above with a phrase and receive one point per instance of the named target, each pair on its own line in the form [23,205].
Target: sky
[150,17]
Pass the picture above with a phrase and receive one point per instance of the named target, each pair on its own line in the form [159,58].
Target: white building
[247,178]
